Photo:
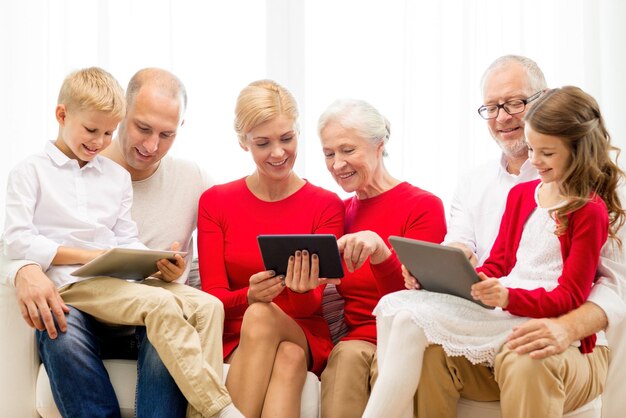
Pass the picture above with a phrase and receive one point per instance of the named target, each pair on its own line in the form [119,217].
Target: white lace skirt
[461,327]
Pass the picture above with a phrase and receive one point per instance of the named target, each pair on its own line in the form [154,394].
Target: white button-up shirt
[478,205]
[51,201]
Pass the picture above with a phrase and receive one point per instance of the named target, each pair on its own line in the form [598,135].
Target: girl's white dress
[464,328]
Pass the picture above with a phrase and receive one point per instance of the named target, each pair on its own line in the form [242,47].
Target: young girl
[545,255]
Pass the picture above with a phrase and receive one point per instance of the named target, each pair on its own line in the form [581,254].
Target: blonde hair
[261,101]
[574,116]
[93,89]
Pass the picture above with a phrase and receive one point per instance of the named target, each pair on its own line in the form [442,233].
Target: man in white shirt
[166,191]
[511,83]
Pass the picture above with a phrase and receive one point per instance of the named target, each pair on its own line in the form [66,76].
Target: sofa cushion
[332,310]
[123,374]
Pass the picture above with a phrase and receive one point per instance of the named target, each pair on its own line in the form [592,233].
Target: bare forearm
[71,255]
[587,320]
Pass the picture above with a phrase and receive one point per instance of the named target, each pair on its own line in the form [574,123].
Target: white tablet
[125,263]
[438,268]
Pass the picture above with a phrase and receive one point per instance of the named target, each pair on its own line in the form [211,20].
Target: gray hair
[358,115]
[536,79]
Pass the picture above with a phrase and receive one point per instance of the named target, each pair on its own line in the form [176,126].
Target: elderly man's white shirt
[478,205]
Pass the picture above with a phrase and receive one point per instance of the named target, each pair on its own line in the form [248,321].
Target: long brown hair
[574,116]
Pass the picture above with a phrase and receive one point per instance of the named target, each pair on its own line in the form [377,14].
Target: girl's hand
[303,272]
[410,282]
[357,247]
[168,270]
[490,292]
[264,287]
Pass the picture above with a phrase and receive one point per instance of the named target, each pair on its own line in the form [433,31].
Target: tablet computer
[438,268]
[125,263]
[276,250]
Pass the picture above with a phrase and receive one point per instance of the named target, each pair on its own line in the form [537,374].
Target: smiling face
[149,129]
[84,133]
[549,155]
[501,85]
[353,161]
[273,145]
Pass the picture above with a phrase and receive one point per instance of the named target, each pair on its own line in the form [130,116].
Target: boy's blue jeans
[80,383]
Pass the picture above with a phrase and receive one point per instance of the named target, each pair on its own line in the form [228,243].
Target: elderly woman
[274,330]
[353,135]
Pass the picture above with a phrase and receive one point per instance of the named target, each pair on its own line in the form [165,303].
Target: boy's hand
[490,292]
[39,299]
[171,271]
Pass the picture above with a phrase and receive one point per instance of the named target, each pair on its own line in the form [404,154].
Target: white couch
[25,390]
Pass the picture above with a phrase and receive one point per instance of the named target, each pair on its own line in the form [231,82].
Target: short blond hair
[261,101]
[93,89]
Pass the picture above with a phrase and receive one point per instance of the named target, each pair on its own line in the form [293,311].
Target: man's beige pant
[183,324]
[348,379]
[526,388]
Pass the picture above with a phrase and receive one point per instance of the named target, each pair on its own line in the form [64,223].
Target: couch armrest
[19,360]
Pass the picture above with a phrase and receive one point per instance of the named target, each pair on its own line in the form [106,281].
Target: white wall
[419,62]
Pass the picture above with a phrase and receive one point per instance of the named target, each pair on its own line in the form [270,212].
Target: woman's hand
[410,282]
[168,270]
[490,292]
[264,287]
[303,272]
[357,247]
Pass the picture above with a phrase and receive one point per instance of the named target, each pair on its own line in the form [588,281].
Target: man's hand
[540,338]
[468,253]
[39,299]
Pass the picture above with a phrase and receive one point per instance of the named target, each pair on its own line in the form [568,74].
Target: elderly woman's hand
[357,247]
[303,272]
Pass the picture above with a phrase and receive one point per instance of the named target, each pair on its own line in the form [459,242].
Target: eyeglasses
[511,107]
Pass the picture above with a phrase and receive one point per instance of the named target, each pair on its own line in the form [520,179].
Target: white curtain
[418,61]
